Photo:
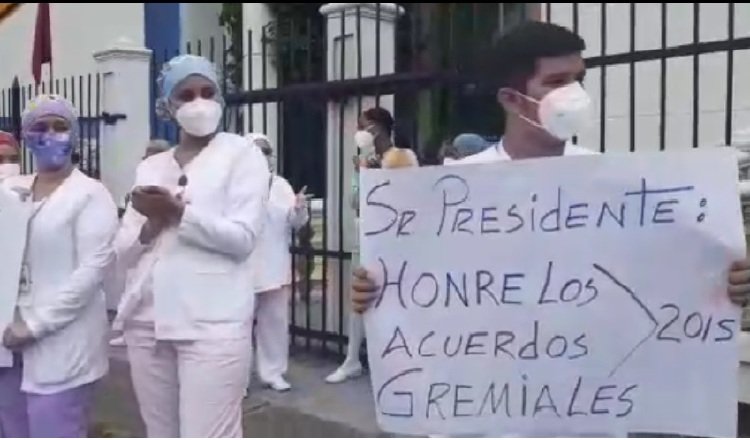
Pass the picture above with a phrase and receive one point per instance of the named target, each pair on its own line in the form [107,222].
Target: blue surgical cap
[183,66]
[175,71]
[468,144]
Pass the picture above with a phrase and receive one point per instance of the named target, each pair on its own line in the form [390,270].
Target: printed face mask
[51,150]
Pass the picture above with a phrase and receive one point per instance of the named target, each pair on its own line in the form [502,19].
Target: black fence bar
[343,89]
[224,78]
[81,126]
[249,76]
[89,165]
[632,78]
[377,48]
[603,81]
[730,78]
[663,81]
[691,49]
[341,155]
[264,75]
[358,31]
[98,110]
[212,49]
[696,73]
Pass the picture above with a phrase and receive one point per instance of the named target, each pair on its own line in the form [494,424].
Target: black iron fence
[722,81]
[84,91]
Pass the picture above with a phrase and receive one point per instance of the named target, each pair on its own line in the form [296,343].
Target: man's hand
[157,203]
[739,283]
[364,290]
[17,335]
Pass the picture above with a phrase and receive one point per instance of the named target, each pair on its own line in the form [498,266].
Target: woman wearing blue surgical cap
[58,331]
[464,145]
[195,216]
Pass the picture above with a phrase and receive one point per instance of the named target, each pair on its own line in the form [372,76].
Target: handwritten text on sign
[580,294]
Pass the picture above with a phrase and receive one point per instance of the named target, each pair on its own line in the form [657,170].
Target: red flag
[42,42]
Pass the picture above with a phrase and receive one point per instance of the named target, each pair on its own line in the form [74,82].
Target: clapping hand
[157,204]
[301,199]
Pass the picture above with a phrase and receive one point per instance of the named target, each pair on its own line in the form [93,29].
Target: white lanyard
[24,284]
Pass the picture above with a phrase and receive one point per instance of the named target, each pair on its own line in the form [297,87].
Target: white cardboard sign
[574,295]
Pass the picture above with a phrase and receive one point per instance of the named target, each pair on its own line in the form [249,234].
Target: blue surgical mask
[51,150]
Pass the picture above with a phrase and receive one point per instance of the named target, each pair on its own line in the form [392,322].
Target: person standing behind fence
[271,266]
[10,156]
[194,219]
[464,145]
[374,139]
[59,330]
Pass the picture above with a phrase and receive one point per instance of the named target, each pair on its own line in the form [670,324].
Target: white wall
[679,80]
[78,30]
[200,22]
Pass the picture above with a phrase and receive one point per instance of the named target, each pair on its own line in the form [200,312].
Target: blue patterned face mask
[51,150]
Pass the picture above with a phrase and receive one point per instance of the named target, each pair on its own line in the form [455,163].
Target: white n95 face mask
[199,117]
[563,112]
[9,170]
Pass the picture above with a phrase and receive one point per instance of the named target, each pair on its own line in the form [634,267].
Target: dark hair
[381,117]
[515,54]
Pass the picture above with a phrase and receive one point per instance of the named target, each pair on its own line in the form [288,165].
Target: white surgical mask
[199,117]
[9,170]
[563,112]
[365,140]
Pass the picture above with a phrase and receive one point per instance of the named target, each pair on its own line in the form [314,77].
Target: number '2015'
[694,326]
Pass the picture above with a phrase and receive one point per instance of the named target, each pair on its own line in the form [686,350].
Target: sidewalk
[312,409]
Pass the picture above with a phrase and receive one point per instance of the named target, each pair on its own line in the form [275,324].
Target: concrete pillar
[256,16]
[344,114]
[126,80]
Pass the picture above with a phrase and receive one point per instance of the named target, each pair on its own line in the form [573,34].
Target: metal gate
[672,38]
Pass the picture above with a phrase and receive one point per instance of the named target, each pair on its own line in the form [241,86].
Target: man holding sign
[540,376]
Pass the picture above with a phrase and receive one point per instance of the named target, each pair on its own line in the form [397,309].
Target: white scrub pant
[356,337]
[189,388]
[272,333]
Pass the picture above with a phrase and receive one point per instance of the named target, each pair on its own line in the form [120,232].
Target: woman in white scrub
[271,265]
[58,333]
[195,216]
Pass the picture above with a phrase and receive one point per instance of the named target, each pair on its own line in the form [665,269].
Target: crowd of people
[200,254]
